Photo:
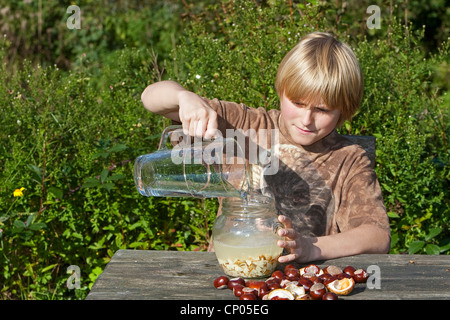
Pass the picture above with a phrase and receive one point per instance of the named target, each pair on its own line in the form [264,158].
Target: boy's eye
[322,110]
[302,104]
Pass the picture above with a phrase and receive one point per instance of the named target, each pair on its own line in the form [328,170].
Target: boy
[326,192]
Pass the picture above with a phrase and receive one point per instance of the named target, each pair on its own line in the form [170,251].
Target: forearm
[362,239]
[163,98]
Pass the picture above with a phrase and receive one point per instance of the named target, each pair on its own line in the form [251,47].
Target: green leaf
[30,219]
[117,148]
[386,187]
[103,175]
[37,226]
[432,249]
[445,247]
[36,170]
[58,193]
[108,186]
[90,182]
[19,224]
[115,177]
[77,235]
[393,215]
[100,154]
[415,246]
[48,268]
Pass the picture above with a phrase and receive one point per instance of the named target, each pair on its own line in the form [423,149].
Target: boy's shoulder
[353,147]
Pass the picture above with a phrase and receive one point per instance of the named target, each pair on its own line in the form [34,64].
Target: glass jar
[245,237]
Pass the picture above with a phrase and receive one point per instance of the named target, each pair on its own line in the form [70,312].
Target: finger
[185,124]
[288,258]
[192,126]
[287,244]
[288,233]
[211,128]
[200,128]
[286,221]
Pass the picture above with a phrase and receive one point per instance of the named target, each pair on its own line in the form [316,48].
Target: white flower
[197,76]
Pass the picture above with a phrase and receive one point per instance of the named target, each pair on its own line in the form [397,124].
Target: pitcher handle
[165,135]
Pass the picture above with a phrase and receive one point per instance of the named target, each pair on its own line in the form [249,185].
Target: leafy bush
[70,140]
[73,124]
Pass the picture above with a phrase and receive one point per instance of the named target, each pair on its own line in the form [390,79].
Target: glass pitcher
[245,237]
[190,167]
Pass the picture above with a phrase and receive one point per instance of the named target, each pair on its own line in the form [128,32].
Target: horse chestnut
[317,291]
[292,274]
[306,283]
[278,274]
[332,270]
[312,268]
[330,296]
[360,276]
[349,270]
[289,266]
[237,290]
[221,282]
[235,281]
[248,296]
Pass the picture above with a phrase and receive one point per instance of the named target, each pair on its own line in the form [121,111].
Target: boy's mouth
[303,131]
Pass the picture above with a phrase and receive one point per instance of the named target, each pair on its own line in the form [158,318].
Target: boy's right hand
[197,117]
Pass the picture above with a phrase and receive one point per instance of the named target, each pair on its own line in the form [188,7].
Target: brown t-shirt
[325,188]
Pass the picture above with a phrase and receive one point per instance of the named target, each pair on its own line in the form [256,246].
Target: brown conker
[317,291]
[278,274]
[360,276]
[248,296]
[237,290]
[306,283]
[312,268]
[234,281]
[292,274]
[332,270]
[325,278]
[343,275]
[289,266]
[349,270]
[221,282]
[330,296]
[273,283]
[312,277]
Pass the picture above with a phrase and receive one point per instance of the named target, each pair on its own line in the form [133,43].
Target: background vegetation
[72,122]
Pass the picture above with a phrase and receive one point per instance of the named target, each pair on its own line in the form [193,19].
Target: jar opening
[252,203]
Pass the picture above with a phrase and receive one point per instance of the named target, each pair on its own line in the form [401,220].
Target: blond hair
[320,66]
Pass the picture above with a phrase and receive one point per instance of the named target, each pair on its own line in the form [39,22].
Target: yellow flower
[18,192]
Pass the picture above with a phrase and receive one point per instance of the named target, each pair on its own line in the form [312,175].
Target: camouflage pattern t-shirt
[325,188]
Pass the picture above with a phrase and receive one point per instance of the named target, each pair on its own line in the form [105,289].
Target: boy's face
[308,121]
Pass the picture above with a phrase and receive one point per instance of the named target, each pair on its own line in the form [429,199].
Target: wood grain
[155,275]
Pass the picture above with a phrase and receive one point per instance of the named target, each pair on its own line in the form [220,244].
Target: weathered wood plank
[141,274]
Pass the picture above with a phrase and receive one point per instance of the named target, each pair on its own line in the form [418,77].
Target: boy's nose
[307,117]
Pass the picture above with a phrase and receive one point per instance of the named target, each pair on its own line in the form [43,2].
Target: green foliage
[38,30]
[69,138]
[72,122]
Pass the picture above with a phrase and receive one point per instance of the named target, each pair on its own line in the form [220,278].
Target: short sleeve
[361,200]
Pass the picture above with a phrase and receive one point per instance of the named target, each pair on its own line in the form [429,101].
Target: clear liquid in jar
[255,260]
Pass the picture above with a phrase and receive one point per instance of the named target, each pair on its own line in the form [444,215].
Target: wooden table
[175,275]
